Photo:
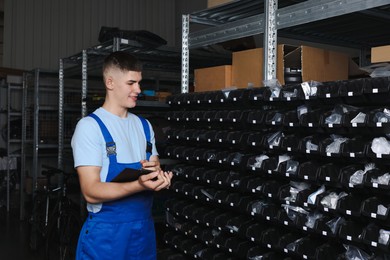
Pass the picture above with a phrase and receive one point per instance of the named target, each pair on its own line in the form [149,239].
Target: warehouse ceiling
[362,29]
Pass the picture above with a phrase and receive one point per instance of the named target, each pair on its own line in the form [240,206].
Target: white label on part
[289,149]
[373,215]
[291,124]
[349,238]
[310,124]
[327,178]
[348,212]
[354,124]
[374,90]
[327,95]
[375,185]
[350,93]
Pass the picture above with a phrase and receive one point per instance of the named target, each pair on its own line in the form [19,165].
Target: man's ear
[109,82]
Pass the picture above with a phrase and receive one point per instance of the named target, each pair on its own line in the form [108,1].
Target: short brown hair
[123,61]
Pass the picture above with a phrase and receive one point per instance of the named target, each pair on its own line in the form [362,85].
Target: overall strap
[110,144]
[147,135]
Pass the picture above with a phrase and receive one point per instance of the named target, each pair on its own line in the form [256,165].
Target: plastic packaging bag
[292,167]
[257,206]
[277,118]
[357,177]
[311,199]
[274,86]
[275,138]
[354,253]
[259,160]
[333,224]
[383,179]
[384,236]
[334,147]
[359,118]
[310,88]
[380,145]
[310,146]
[282,158]
[382,210]
[301,110]
[331,200]
[312,218]
[293,212]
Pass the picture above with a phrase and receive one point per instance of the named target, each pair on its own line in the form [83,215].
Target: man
[119,223]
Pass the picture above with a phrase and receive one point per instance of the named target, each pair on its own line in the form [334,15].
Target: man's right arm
[95,191]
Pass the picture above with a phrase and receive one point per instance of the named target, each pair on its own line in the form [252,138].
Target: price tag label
[327,95]
[350,93]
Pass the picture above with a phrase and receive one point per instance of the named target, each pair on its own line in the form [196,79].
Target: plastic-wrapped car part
[292,92]
[358,176]
[330,201]
[380,145]
[334,146]
[274,117]
[377,208]
[353,252]
[255,162]
[310,144]
[334,117]
[311,199]
[335,223]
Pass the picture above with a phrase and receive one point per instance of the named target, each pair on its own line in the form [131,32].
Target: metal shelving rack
[40,123]
[14,117]
[303,20]
[159,63]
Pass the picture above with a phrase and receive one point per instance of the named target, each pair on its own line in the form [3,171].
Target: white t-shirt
[89,146]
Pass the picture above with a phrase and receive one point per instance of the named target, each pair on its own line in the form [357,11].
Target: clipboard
[129,174]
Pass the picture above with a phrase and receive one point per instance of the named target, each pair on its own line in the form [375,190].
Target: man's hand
[156,180]
[151,165]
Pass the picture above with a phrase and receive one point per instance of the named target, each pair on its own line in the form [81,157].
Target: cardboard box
[213,78]
[212,3]
[248,70]
[380,54]
[162,95]
[315,64]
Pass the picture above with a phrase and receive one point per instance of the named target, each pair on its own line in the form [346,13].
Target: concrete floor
[14,236]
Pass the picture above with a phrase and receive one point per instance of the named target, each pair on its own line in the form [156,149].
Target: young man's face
[124,87]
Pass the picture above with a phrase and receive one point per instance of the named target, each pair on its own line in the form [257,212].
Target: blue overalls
[124,228]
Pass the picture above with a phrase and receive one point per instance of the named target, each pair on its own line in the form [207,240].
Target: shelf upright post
[8,141]
[84,87]
[116,45]
[185,55]
[23,148]
[60,114]
[35,132]
[270,39]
